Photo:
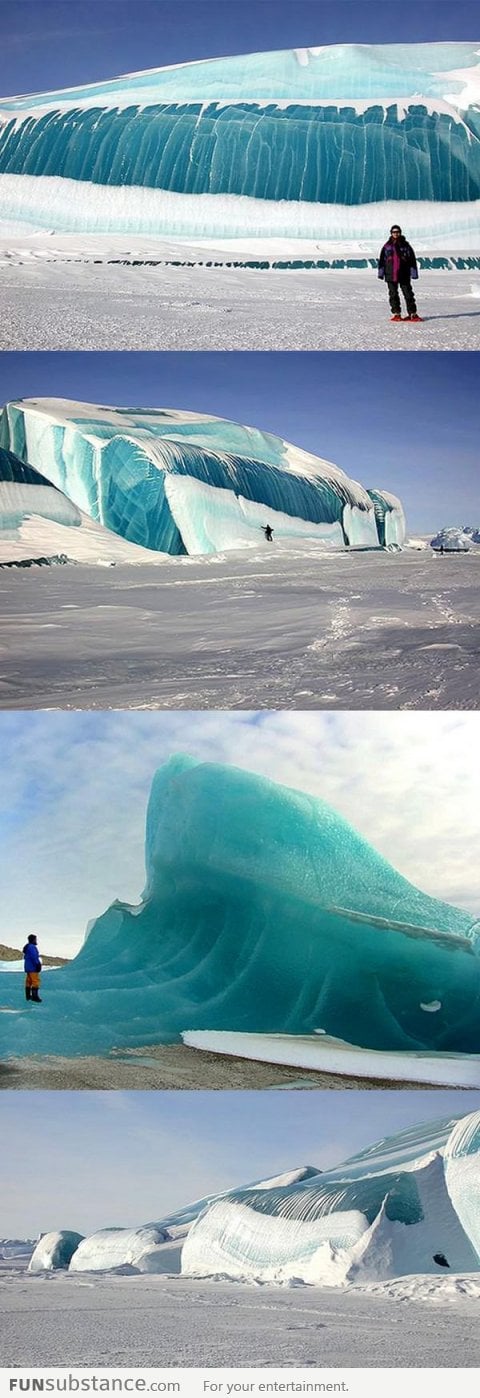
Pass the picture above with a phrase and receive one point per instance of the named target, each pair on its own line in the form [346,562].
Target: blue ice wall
[345,124]
[320,154]
[263,911]
[115,469]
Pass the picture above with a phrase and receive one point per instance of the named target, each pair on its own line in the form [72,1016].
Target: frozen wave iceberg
[338,126]
[54,1251]
[263,911]
[178,482]
[407,1204]
[389,1211]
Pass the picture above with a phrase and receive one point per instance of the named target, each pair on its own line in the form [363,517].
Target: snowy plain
[96,1319]
[126,297]
[265,627]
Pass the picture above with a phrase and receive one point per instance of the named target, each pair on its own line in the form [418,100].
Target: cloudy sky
[75,787]
[152,1152]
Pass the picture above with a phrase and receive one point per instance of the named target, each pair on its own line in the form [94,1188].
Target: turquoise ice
[180,482]
[347,125]
[263,911]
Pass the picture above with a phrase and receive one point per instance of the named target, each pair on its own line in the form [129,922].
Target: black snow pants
[393,295]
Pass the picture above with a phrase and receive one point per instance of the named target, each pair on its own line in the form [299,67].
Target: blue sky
[75,787]
[405,423]
[151,1152]
[56,44]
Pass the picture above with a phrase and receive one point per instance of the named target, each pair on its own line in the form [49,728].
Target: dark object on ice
[268,532]
[440,1259]
[397,265]
[39,562]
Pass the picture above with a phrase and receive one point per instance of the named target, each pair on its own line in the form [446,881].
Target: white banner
[257,1383]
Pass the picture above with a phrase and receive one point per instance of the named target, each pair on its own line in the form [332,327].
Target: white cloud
[75,788]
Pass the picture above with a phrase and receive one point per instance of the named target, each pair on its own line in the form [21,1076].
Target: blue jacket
[31,958]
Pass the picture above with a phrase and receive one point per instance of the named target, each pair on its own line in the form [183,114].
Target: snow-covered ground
[90,1319]
[261,628]
[129,298]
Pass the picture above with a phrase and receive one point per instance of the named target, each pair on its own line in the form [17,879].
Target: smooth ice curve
[179,482]
[341,126]
[265,912]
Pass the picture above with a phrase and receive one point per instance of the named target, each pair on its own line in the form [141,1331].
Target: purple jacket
[397,261]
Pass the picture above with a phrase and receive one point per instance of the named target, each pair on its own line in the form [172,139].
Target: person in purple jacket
[397,265]
[32,966]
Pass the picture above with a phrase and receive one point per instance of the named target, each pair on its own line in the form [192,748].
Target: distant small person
[268,532]
[397,265]
[32,966]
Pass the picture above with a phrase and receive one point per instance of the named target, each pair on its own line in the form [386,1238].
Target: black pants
[407,291]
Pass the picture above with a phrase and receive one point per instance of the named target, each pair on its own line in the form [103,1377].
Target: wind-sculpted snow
[263,911]
[342,126]
[387,1212]
[179,482]
[54,1251]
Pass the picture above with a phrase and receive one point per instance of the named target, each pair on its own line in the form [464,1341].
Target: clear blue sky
[406,423]
[75,787]
[151,1152]
[53,43]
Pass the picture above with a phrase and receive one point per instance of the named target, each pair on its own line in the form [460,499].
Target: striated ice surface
[342,126]
[386,1212]
[178,482]
[157,1247]
[38,522]
[54,1251]
[264,911]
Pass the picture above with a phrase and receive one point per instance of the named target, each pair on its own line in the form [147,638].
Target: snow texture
[179,482]
[263,911]
[426,1322]
[340,126]
[290,626]
[135,294]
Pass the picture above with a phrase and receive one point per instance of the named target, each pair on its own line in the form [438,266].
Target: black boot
[36,997]
[28,992]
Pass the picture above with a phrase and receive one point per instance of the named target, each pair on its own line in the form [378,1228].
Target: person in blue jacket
[397,265]
[32,966]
